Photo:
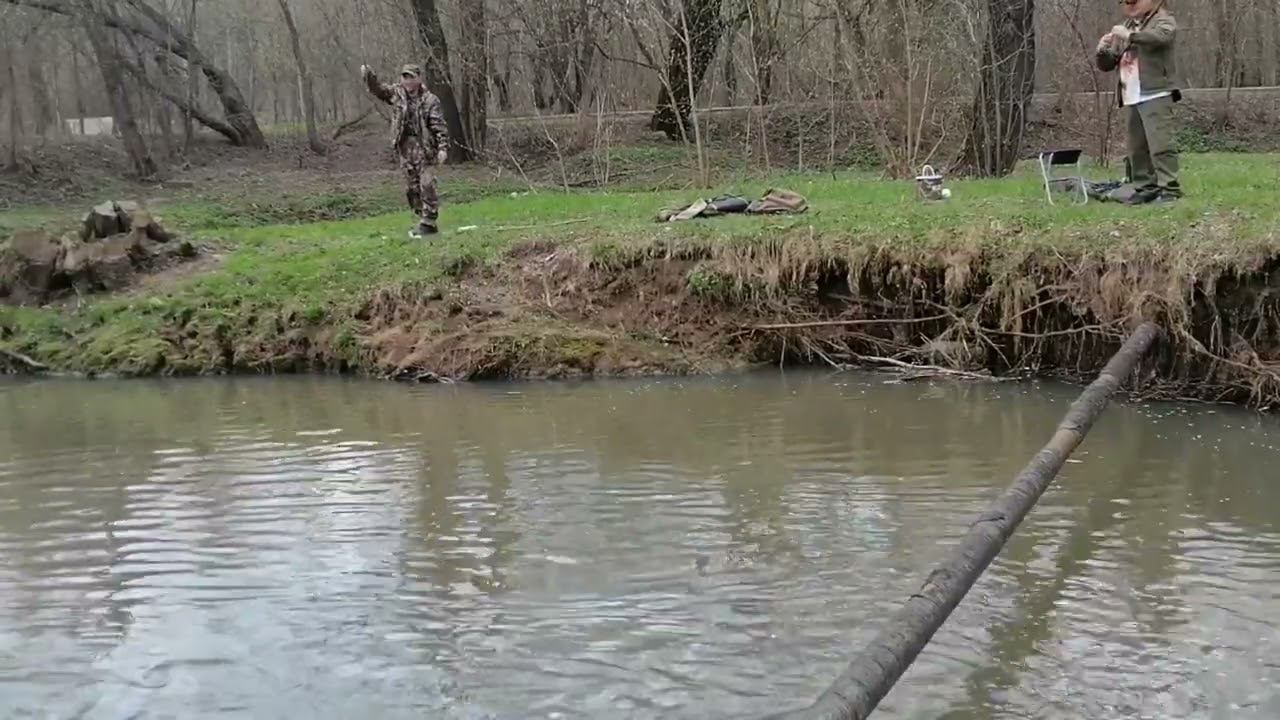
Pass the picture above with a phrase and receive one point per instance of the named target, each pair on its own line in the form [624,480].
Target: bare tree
[436,69]
[193,87]
[694,36]
[43,110]
[110,65]
[15,113]
[141,19]
[1005,86]
[305,87]
[474,76]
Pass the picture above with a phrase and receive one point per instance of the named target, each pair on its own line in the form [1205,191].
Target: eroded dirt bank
[553,311]
[676,309]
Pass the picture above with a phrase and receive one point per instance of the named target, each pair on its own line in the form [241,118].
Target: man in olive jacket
[1142,50]
[419,137]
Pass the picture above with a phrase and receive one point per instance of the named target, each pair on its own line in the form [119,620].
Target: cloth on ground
[779,202]
[774,202]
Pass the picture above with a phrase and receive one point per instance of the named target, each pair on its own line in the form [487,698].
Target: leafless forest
[918,75]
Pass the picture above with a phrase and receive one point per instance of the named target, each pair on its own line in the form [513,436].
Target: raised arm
[1158,34]
[376,88]
[1108,54]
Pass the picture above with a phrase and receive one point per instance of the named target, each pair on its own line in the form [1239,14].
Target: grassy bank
[550,283]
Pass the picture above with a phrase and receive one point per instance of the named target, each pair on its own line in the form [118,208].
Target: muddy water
[676,549]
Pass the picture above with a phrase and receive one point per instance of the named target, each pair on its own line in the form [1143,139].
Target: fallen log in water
[873,672]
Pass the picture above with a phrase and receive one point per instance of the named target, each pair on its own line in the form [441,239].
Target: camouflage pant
[419,168]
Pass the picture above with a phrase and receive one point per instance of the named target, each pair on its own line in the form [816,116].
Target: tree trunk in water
[1004,90]
[475,77]
[121,109]
[304,81]
[882,662]
[692,50]
[436,71]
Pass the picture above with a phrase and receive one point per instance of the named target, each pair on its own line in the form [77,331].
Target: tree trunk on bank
[875,670]
[15,113]
[156,27]
[1004,91]
[76,84]
[692,50]
[436,71]
[109,64]
[238,114]
[304,81]
[44,115]
[193,88]
[764,44]
[475,77]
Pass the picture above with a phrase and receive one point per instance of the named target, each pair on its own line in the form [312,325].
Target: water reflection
[645,549]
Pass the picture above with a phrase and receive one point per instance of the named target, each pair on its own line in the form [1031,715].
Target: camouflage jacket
[412,116]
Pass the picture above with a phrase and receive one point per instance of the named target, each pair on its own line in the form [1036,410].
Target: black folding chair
[1054,161]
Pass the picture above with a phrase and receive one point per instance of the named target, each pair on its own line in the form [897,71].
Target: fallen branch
[873,672]
[847,323]
[346,127]
[562,223]
[181,103]
[23,360]
[938,369]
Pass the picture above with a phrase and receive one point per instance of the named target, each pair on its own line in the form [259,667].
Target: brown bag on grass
[779,202]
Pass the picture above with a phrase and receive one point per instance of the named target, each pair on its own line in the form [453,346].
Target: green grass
[281,276]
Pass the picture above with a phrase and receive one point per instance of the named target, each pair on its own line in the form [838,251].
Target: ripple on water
[651,550]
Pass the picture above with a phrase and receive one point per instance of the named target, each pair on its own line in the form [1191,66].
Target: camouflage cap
[411,70]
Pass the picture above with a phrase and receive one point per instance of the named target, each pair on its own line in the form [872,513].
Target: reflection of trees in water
[73,461]
[795,435]
[454,538]
[1144,525]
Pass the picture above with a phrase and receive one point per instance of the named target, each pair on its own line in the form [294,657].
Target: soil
[549,313]
[88,169]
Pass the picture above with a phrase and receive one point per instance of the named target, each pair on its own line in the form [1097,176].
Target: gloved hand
[442,156]
[1121,32]
[1106,43]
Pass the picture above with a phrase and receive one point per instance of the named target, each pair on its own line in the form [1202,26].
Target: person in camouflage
[420,139]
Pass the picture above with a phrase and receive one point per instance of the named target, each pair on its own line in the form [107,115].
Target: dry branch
[23,360]
[934,369]
[849,323]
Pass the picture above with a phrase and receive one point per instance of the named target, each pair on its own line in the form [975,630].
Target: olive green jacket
[1154,46]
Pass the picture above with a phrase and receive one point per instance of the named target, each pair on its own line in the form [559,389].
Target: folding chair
[1053,160]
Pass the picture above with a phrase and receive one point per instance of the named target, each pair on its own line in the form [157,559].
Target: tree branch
[201,116]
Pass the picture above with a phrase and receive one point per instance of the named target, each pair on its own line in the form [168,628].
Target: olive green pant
[1153,159]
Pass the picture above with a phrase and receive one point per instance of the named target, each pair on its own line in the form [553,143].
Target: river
[302,547]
